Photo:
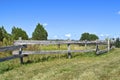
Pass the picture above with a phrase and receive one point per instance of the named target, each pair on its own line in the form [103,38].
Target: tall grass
[47,57]
[82,66]
[9,65]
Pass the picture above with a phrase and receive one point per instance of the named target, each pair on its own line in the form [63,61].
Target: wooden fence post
[58,46]
[21,57]
[97,47]
[20,53]
[108,44]
[85,43]
[69,53]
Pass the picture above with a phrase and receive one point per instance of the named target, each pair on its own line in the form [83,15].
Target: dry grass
[80,67]
[61,47]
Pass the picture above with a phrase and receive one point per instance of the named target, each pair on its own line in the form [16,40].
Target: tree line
[7,38]
[39,33]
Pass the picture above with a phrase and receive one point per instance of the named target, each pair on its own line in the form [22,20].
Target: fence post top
[20,38]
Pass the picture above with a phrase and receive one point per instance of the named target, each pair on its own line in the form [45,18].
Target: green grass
[83,66]
[61,47]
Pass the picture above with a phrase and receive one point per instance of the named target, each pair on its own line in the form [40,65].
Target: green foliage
[117,43]
[85,36]
[39,33]
[3,34]
[88,37]
[5,42]
[18,32]
[8,65]
[93,37]
[5,37]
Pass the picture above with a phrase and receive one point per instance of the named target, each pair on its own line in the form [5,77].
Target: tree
[18,32]
[93,37]
[3,34]
[85,36]
[117,43]
[39,33]
[88,37]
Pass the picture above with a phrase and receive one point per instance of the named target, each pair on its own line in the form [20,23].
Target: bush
[117,43]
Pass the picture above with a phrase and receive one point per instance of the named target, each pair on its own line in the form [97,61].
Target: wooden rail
[11,48]
[49,42]
[20,44]
[45,42]
[69,51]
[10,57]
[101,51]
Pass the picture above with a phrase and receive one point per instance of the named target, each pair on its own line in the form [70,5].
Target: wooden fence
[20,44]
[12,48]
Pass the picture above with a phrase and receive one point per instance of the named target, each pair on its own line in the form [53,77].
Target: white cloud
[107,35]
[55,36]
[68,35]
[119,12]
[102,35]
[45,24]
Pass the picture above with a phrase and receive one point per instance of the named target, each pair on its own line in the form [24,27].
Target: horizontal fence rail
[11,48]
[101,51]
[10,57]
[26,42]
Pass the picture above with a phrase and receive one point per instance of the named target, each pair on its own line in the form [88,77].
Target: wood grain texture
[10,57]
[11,48]
[102,51]
[47,42]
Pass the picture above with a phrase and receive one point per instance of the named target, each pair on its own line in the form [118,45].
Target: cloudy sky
[63,18]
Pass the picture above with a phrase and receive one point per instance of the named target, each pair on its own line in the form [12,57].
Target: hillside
[83,66]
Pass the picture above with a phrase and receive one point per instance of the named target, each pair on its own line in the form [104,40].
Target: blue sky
[63,18]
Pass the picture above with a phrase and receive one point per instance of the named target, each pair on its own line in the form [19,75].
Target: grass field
[83,66]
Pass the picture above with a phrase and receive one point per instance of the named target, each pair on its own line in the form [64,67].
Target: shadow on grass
[65,56]
[39,58]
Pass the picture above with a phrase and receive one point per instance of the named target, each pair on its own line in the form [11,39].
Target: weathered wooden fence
[11,48]
[20,44]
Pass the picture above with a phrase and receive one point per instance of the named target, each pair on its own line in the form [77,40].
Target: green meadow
[82,66]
